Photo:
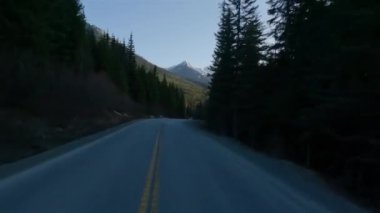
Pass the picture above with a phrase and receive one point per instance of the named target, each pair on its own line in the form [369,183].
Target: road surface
[162,165]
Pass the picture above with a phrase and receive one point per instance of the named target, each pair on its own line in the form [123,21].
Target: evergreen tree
[131,56]
[250,55]
[132,69]
[283,15]
[237,57]
[220,98]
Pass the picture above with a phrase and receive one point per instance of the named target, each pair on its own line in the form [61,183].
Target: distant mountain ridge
[187,71]
[194,92]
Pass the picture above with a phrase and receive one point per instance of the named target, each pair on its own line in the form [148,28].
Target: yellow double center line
[149,199]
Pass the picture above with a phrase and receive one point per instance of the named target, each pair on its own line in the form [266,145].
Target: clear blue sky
[166,32]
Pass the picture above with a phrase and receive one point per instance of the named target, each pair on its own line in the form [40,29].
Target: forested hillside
[194,93]
[313,96]
[58,80]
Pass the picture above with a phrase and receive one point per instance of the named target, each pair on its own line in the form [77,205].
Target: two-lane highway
[162,165]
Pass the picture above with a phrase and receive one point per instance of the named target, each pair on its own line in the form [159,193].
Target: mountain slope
[188,72]
[194,92]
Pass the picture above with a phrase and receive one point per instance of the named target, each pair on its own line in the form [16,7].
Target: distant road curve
[161,165]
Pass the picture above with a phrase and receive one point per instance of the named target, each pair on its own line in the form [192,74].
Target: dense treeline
[313,95]
[44,41]
[144,86]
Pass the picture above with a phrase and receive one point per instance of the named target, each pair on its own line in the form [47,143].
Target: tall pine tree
[221,89]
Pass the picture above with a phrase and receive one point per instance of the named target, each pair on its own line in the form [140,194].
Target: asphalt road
[162,165]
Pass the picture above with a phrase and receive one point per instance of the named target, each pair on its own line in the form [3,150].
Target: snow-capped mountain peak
[187,71]
[185,63]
